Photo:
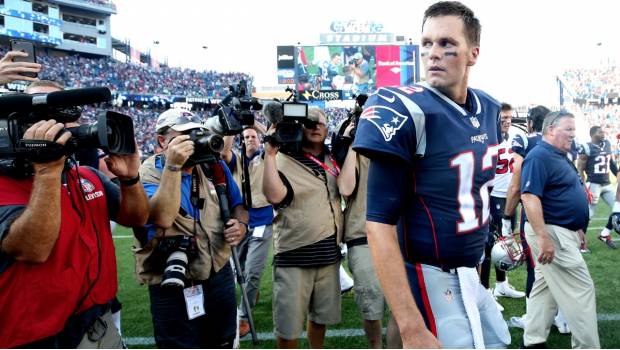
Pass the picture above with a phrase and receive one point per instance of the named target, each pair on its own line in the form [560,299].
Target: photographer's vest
[255,169]
[37,299]
[212,251]
[355,213]
[314,213]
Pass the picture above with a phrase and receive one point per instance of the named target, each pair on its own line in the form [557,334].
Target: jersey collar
[452,103]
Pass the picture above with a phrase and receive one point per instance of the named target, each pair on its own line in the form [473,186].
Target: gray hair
[553,119]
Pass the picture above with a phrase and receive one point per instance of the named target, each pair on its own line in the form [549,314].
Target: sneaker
[585,251]
[507,291]
[346,282]
[560,323]
[517,322]
[244,328]
[608,241]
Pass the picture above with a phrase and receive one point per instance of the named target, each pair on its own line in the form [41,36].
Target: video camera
[234,112]
[112,132]
[289,117]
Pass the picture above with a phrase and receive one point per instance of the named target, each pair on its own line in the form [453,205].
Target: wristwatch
[130,182]
[173,167]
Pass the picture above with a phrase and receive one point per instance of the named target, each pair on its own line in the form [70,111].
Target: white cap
[178,119]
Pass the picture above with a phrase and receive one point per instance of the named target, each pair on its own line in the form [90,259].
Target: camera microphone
[273,112]
[68,98]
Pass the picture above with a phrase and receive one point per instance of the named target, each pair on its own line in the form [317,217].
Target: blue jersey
[597,165]
[453,154]
[523,145]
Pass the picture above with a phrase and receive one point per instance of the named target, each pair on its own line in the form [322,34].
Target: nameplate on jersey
[386,119]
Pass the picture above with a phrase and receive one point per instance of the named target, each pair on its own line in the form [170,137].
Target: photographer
[307,230]
[253,251]
[57,261]
[186,239]
[360,71]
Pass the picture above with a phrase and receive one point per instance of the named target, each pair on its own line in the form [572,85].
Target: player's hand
[234,232]
[179,149]
[11,71]
[48,130]
[422,339]
[506,227]
[547,250]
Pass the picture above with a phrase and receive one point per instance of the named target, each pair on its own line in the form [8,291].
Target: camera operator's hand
[11,71]
[234,233]
[48,130]
[347,130]
[125,166]
[271,150]
[179,150]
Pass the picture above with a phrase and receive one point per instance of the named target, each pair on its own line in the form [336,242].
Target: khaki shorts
[368,292]
[301,291]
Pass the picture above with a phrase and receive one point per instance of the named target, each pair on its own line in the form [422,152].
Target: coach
[557,208]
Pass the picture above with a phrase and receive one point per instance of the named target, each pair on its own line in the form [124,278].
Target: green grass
[602,262]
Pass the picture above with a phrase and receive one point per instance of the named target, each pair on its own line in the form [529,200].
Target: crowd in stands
[594,92]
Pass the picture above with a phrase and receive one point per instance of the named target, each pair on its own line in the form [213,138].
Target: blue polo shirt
[549,175]
[234,195]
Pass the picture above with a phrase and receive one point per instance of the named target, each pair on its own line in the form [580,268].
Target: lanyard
[334,171]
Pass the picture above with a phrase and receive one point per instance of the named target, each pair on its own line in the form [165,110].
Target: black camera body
[207,147]
[235,112]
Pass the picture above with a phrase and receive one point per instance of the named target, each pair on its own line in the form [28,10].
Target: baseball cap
[357,56]
[178,119]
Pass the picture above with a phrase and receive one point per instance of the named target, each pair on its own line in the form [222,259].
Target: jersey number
[504,165]
[466,167]
[600,164]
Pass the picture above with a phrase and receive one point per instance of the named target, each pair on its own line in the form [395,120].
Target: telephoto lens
[174,274]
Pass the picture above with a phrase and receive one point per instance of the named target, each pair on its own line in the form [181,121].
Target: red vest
[37,299]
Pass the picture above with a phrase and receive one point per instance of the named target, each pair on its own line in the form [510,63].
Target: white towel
[470,283]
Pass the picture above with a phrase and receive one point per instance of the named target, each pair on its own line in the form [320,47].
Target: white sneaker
[561,323]
[499,306]
[504,289]
[517,322]
[346,282]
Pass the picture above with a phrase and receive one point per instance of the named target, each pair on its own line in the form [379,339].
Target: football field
[604,265]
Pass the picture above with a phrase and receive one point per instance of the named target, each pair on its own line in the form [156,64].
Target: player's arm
[513,194]
[387,185]
[582,160]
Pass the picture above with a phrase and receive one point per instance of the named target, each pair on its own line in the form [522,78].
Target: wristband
[508,217]
[130,182]
[616,207]
[173,168]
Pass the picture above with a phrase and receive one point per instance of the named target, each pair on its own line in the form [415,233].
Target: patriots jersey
[597,166]
[523,145]
[453,154]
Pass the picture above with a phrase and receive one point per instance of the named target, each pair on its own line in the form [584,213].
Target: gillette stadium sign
[356,32]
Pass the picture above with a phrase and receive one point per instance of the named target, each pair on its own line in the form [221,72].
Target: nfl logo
[475,122]
[87,186]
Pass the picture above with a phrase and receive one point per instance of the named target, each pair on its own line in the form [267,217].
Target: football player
[594,163]
[433,151]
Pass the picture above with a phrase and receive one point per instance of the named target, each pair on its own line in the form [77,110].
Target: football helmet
[615,221]
[507,253]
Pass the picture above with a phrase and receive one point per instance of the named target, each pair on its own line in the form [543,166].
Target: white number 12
[466,167]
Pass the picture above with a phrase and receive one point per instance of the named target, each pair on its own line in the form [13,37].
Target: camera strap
[334,171]
[197,201]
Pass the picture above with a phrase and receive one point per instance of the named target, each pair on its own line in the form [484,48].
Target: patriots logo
[386,119]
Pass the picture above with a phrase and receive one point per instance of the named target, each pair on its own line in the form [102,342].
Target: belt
[357,241]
